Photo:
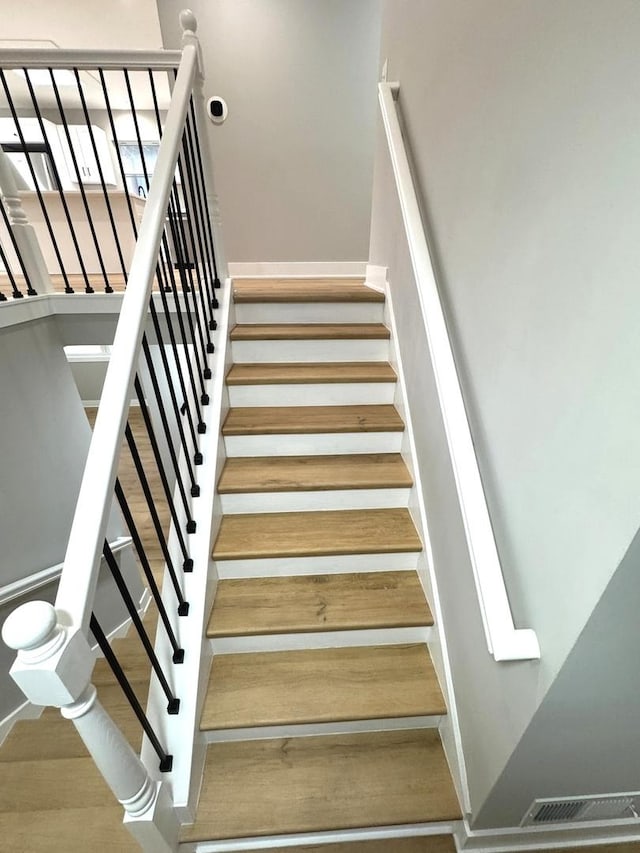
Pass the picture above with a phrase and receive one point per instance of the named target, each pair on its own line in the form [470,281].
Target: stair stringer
[199,586]
[449,726]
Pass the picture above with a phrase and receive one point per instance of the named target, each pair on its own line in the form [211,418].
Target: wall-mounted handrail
[504,641]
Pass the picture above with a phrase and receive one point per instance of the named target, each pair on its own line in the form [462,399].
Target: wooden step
[321,686]
[289,420]
[309,332]
[303,290]
[310,473]
[308,373]
[315,784]
[311,534]
[318,603]
[421,844]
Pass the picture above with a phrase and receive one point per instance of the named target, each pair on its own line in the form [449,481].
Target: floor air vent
[613,807]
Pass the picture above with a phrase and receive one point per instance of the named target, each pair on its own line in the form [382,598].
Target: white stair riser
[321,640]
[313,444]
[317,500]
[316,394]
[310,312]
[277,567]
[314,729]
[279,352]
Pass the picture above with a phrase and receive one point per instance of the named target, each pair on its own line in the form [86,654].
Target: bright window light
[41,76]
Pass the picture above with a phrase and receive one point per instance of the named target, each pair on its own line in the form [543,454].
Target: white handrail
[78,580]
[85,60]
[504,640]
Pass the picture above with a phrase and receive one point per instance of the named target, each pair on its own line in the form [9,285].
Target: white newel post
[25,236]
[53,668]
[189,26]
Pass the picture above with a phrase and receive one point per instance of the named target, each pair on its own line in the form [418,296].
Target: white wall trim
[22,587]
[267,842]
[556,837]
[450,730]
[298,269]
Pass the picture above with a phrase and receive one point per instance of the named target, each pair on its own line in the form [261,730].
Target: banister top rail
[79,575]
[159,60]
[504,641]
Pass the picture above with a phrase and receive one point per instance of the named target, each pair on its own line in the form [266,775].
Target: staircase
[322,709]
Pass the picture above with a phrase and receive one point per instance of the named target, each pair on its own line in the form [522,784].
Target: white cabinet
[85,156]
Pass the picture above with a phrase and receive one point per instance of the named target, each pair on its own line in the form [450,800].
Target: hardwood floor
[52,797]
[299,289]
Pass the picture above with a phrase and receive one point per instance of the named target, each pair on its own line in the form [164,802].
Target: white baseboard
[298,269]
[550,838]
[376,278]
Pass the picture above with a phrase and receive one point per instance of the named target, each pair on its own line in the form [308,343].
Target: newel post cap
[54,663]
[188,21]
[30,626]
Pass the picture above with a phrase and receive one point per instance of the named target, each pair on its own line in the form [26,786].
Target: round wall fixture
[217,109]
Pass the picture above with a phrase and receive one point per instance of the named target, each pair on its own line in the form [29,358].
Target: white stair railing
[54,660]
[504,641]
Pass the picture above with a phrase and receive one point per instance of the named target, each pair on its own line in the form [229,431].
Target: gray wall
[293,161]
[46,438]
[584,737]
[522,119]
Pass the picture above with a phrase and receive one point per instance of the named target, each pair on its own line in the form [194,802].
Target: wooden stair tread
[291,420]
[307,603]
[419,844]
[309,332]
[68,830]
[293,373]
[320,686]
[314,784]
[304,290]
[314,473]
[306,534]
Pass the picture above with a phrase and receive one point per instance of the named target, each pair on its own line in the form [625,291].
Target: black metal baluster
[16,291]
[191,525]
[195,489]
[3,298]
[83,194]
[173,706]
[174,289]
[179,239]
[183,606]
[194,244]
[107,200]
[63,200]
[34,178]
[166,761]
[203,184]
[203,210]
[207,269]
[116,142]
[163,287]
[178,653]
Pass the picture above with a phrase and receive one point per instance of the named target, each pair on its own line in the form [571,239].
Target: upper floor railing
[504,641]
[161,355]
